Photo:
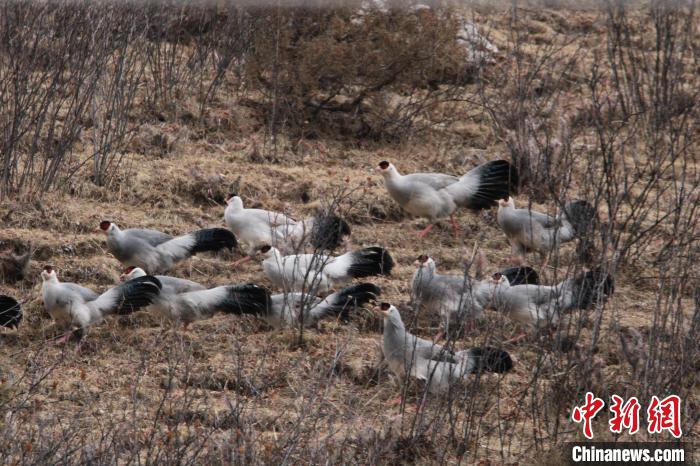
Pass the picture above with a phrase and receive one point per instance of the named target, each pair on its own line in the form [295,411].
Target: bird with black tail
[435,196]
[320,273]
[286,307]
[541,306]
[10,312]
[157,252]
[183,301]
[410,356]
[72,305]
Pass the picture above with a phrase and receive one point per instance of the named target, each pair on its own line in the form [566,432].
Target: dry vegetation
[150,115]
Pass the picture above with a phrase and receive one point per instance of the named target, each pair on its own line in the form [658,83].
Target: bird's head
[48,273]
[385,167]
[106,226]
[499,279]
[266,251]
[234,200]
[509,202]
[384,309]
[424,261]
[131,272]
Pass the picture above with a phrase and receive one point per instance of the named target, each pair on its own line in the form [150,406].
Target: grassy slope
[118,381]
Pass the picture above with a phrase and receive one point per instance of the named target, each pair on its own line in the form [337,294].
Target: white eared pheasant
[257,227]
[157,252]
[319,273]
[74,306]
[435,195]
[184,301]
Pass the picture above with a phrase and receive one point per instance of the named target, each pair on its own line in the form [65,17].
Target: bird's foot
[439,336]
[425,231]
[455,227]
[516,339]
[397,401]
[242,261]
[63,339]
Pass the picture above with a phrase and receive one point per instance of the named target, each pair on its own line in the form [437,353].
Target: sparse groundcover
[152,115]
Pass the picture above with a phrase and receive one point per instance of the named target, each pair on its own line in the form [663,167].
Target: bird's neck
[393,322]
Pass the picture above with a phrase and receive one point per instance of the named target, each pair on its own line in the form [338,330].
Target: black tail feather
[247,299]
[353,297]
[498,179]
[370,261]
[521,276]
[491,359]
[592,287]
[582,216]
[10,312]
[328,231]
[137,293]
[213,239]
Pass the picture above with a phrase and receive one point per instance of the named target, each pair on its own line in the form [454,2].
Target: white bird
[455,298]
[539,305]
[10,312]
[72,305]
[529,230]
[157,252]
[435,195]
[410,356]
[257,227]
[318,273]
[286,307]
[184,301]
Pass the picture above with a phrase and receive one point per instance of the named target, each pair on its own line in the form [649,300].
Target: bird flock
[312,282]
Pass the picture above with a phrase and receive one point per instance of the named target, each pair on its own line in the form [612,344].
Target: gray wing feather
[152,237]
[434,180]
[85,293]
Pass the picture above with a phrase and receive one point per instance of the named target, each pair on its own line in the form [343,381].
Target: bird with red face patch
[437,366]
[320,273]
[183,301]
[157,252]
[459,300]
[436,196]
[542,306]
[255,228]
[74,306]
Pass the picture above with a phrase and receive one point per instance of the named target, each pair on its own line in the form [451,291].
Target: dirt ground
[256,391]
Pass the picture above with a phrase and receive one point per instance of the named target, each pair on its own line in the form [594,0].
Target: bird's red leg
[63,339]
[397,401]
[455,227]
[516,338]
[241,261]
[439,336]
[425,230]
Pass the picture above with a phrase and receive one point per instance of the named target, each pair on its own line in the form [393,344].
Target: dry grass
[231,389]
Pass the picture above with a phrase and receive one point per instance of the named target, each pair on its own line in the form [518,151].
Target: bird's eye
[385,306]
[265,248]
[104,225]
[497,276]
[48,268]
[383,164]
[129,269]
[423,258]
